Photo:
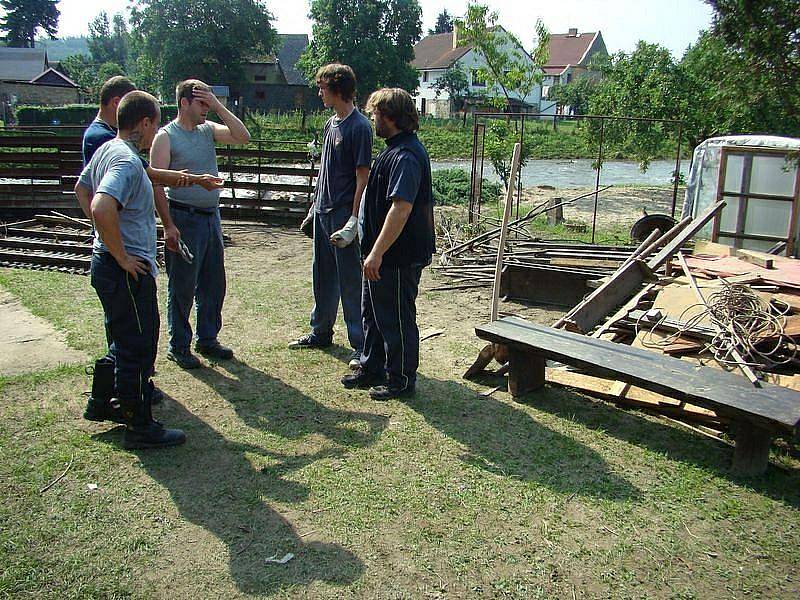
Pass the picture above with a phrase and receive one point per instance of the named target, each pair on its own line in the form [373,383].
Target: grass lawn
[449,494]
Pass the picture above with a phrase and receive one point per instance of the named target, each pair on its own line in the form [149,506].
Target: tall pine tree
[25,17]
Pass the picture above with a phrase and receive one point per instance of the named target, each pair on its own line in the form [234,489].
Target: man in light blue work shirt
[188,142]
[116,191]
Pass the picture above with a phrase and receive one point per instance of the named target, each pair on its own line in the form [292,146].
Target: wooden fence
[267,181]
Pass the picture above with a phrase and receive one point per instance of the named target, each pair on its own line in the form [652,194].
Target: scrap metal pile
[731,309]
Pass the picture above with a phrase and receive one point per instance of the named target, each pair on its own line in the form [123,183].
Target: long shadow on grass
[270,405]
[505,440]
[677,444]
[216,487]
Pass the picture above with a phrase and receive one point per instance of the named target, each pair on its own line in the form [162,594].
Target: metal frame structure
[478,154]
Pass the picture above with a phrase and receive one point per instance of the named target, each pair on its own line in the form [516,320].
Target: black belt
[192,209]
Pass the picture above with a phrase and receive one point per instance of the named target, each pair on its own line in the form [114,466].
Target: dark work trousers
[391,336]
[130,308]
[336,273]
[201,282]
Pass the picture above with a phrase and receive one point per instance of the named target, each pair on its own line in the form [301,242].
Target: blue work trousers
[336,274]
[130,309]
[391,336]
[201,282]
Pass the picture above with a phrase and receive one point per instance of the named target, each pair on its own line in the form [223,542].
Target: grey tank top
[192,150]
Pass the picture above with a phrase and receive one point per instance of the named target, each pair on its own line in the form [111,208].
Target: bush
[72,114]
[451,186]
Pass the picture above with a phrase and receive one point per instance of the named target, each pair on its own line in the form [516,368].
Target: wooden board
[724,393]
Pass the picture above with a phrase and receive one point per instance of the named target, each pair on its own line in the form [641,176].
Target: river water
[578,173]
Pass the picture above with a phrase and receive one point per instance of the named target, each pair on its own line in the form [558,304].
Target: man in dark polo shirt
[343,173]
[398,242]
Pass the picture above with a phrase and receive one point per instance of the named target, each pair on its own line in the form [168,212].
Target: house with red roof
[570,56]
[436,53]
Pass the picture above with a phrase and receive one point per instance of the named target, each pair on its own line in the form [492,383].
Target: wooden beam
[504,231]
[688,233]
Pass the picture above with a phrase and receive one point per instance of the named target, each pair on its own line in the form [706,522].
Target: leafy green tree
[508,67]
[645,83]
[375,37]
[105,44]
[207,39]
[444,23]
[454,81]
[726,96]
[25,17]
[576,94]
[765,34]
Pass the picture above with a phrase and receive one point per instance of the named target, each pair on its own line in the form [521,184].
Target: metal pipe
[597,179]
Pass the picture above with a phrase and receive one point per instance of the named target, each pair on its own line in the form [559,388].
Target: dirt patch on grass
[29,343]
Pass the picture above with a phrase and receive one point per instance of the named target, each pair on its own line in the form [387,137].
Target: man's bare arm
[105,214]
[84,195]
[396,219]
[362,177]
[233,131]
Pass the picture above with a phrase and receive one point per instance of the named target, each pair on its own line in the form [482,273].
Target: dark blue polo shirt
[402,171]
[346,145]
[98,133]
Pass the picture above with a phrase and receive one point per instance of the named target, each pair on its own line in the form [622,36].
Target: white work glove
[345,236]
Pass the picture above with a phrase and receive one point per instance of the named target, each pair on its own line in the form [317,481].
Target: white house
[435,54]
[569,58]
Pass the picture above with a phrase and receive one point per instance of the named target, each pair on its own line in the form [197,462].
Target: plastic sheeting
[769,175]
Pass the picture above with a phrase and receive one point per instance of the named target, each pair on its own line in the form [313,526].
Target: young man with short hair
[398,242]
[343,174]
[188,142]
[120,199]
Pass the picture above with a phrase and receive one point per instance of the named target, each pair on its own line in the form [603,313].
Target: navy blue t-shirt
[402,171]
[98,133]
[347,145]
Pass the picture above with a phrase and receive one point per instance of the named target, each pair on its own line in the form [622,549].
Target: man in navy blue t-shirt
[343,173]
[397,243]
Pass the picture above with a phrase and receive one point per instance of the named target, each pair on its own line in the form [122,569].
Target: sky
[674,24]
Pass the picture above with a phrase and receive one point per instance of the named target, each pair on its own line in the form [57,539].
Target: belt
[192,209]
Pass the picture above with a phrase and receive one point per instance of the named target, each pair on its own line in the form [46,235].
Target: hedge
[72,114]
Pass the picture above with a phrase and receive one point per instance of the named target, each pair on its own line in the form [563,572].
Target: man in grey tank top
[188,142]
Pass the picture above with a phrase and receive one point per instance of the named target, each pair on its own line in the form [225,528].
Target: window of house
[424,77]
[569,77]
[477,80]
[260,78]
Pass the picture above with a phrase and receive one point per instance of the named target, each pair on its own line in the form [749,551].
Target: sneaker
[309,341]
[362,380]
[185,359]
[214,350]
[355,361]
[388,392]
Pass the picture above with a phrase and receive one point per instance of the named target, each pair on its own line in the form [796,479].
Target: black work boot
[101,405]
[142,431]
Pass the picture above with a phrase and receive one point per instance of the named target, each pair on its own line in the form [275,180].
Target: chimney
[573,32]
[455,36]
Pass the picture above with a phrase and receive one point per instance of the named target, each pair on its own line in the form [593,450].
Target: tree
[726,96]
[454,81]
[25,17]
[508,67]
[576,94]
[444,23]
[645,83]
[206,39]
[765,35]
[375,37]
[106,45]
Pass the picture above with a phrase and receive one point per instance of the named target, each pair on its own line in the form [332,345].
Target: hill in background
[61,48]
